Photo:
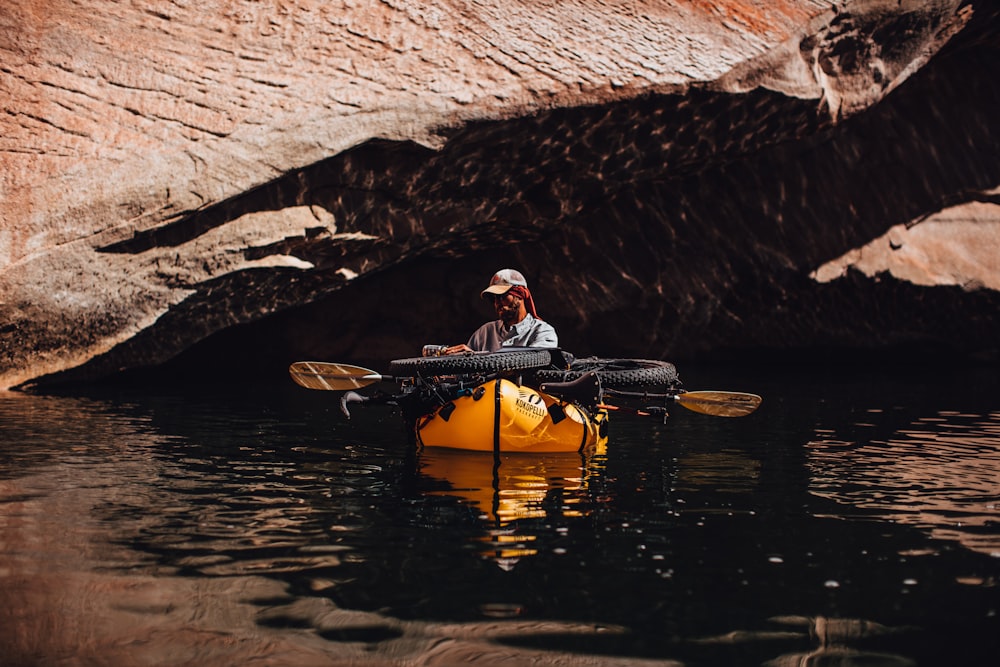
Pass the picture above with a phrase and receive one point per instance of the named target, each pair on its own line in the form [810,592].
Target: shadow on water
[852,520]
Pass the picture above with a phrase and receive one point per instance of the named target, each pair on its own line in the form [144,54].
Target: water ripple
[941,473]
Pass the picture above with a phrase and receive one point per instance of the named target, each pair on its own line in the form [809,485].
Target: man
[517,323]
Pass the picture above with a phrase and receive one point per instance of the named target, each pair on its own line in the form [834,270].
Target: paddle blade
[719,403]
[332,377]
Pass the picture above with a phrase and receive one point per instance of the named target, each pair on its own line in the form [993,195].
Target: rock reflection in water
[940,473]
[72,589]
[836,642]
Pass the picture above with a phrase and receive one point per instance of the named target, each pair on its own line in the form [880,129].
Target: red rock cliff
[676,178]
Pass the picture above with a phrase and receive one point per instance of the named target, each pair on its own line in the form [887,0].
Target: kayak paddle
[329,376]
[333,377]
[719,403]
[715,403]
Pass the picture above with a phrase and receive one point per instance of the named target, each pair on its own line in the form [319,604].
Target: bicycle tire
[464,364]
[617,373]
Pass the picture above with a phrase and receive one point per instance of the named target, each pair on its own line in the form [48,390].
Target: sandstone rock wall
[676,178]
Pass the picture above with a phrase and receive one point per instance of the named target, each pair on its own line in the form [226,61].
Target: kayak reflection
[509,488]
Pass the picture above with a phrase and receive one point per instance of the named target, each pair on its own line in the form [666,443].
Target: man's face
[508,308]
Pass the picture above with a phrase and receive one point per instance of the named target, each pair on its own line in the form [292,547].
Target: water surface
[853,520]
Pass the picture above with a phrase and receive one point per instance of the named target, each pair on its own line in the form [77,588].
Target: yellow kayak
[502,416]
[528,400]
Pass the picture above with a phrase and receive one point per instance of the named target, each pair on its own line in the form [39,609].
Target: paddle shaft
[715,403]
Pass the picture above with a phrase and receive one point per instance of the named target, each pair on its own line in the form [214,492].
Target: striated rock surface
[263,181]
[958,246]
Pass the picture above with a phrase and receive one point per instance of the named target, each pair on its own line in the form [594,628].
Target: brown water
[853,520]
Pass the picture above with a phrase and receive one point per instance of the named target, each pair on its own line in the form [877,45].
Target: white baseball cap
[503,280]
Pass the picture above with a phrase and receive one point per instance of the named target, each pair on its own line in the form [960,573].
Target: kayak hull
[502,416]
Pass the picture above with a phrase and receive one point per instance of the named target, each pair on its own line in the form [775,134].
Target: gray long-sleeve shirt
[529,332]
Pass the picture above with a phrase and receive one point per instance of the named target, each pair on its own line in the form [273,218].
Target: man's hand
[457,349]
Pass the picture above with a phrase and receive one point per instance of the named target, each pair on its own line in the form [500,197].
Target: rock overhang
[635,192]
